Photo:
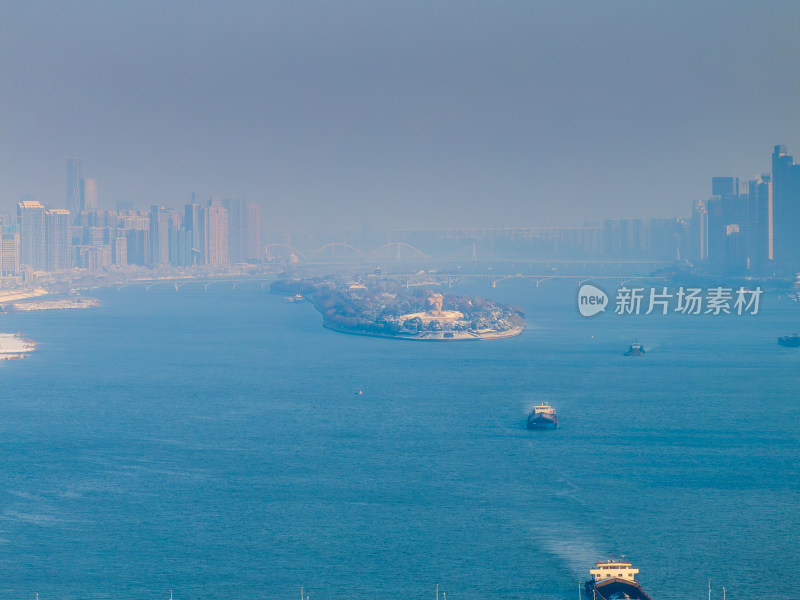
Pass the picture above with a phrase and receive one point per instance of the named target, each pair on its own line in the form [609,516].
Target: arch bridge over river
[407,279]
[403,253]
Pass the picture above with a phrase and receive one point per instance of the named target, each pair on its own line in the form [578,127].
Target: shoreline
[15,346]
[79,303]
[427,336]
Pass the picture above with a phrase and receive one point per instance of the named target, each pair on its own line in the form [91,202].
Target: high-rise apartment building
[58,239]
[9,262]
[31,219]
[216,235]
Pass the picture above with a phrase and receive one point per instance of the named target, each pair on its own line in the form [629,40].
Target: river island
[384,308]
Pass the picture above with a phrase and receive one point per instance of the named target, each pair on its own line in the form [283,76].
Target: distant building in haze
[74,176]
[194,235]
[244,230]
[624,237]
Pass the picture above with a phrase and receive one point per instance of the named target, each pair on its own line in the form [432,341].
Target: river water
[214,444]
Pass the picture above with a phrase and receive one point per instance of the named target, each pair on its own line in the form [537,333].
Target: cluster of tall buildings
[216,234]
[743,227]
[750,226]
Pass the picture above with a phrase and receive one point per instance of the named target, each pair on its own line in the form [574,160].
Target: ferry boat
[614,580]
[542,417]
[790,341]
[636,349]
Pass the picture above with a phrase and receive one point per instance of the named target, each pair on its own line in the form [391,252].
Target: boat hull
[614,588]
[635,352]
[542,422]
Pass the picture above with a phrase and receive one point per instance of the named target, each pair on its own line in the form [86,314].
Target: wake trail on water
[573,548]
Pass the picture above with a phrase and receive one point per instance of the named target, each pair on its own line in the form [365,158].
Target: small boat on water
[296,298]
[790,341]
[542,417]
[614,580]
[635,349]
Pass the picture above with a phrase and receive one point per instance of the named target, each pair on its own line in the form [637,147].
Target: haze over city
[397,115]
[411,300]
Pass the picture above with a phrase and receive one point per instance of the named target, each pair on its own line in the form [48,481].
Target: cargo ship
[614,580]
[790,341]
[543,417]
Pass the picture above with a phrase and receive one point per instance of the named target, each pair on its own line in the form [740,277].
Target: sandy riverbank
[22,295]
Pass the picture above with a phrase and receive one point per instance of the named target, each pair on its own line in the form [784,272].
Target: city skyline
[744,227]
[393,116]
[75,165]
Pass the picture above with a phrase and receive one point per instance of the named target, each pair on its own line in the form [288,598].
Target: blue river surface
[214,444]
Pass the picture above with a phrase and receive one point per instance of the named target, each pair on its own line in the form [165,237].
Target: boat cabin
[614,568]
[544,407]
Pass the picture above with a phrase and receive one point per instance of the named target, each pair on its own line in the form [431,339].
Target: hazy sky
[397,114]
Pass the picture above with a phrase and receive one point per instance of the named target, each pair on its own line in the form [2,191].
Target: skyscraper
[74,176]
[89,194]
[760,193]
[253,234]
[785,209]
[699,231]
[159,236]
